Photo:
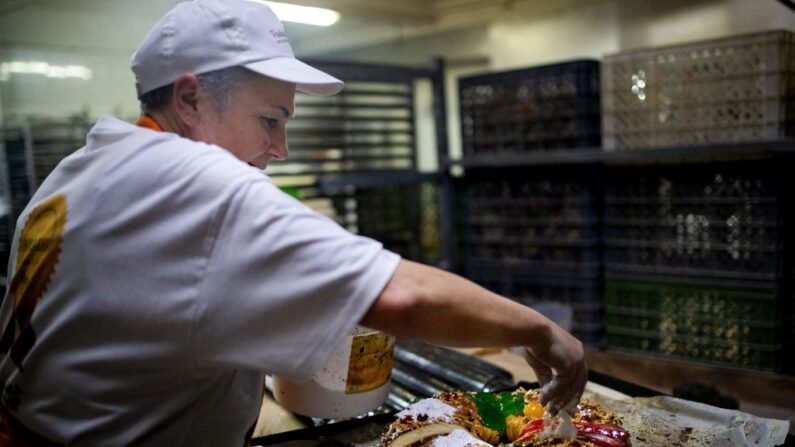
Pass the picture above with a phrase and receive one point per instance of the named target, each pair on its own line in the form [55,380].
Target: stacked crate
[18,171]
[6,217]
[386,214]
[31,152]
[535,240]
[528,233]
[53,140]
[695,255]
[404,217]
[539,108]
[737,89]
[695,263]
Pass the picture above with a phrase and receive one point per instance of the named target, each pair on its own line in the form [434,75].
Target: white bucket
[356,379]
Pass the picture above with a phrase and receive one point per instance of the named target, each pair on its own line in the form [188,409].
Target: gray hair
[219,84]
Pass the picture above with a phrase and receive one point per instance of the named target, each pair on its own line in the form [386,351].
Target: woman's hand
[559,364]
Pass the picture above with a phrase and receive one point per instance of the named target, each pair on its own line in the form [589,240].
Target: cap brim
[307,79]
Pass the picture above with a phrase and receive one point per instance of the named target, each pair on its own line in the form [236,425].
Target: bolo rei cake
[455,419]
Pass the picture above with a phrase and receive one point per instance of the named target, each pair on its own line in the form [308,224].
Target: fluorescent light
[303,14]
[43,68]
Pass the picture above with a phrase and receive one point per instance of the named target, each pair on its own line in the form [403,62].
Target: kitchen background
[622,164]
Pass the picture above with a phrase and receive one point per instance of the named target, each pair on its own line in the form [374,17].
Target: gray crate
[725,90]
[725,221]
[532,109]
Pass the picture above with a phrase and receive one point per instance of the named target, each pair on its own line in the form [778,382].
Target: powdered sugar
[458,438]
[432,409]
[559,427]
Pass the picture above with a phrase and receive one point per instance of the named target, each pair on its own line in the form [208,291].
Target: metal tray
[362,430]
[421,370]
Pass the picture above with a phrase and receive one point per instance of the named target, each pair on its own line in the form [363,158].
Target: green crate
[741,355]
[715,323]
[694,326]
[715,302]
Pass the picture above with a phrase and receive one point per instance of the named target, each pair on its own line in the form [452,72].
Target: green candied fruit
[494,408]
[511,403]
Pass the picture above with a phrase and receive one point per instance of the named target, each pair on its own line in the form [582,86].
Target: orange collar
[148,123]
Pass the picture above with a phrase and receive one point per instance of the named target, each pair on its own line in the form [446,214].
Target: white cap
[207,35]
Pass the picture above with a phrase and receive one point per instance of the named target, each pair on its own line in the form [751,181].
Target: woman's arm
[430,304]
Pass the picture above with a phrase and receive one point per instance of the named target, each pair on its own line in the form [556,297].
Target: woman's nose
[279,149]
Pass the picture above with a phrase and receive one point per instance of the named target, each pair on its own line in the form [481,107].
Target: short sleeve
[283,284]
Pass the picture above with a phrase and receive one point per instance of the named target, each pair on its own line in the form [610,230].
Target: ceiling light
[303,14]
[43,68]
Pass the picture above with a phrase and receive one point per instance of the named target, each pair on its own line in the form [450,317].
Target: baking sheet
[651,420]
[668,421]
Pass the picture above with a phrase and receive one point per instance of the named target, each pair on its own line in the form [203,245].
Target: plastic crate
[744,356]
[6,211]
[404,217]
[54,140]
[526,285]
[725,90]
[543,252]
[538,108]
[541,224]
[5,244]
[19,183]
[702,221]
[740,325]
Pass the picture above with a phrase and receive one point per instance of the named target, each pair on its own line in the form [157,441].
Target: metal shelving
[368,127]
[710,153]
[354,155]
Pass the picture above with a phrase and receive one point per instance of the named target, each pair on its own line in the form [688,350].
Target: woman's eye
[270,123]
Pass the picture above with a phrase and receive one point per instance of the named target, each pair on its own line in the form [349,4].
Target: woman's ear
[185,97]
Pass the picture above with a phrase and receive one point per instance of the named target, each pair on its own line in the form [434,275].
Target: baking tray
[354,431]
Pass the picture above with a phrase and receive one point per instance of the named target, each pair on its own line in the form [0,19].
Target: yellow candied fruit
[514,425]
[534,410]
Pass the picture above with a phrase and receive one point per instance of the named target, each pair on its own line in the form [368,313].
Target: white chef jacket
[158,279]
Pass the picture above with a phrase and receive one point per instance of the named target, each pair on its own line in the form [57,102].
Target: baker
[157,275]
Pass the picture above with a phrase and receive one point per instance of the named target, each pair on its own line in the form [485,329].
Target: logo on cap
[279,35]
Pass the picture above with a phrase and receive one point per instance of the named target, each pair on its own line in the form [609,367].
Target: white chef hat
[207,35]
